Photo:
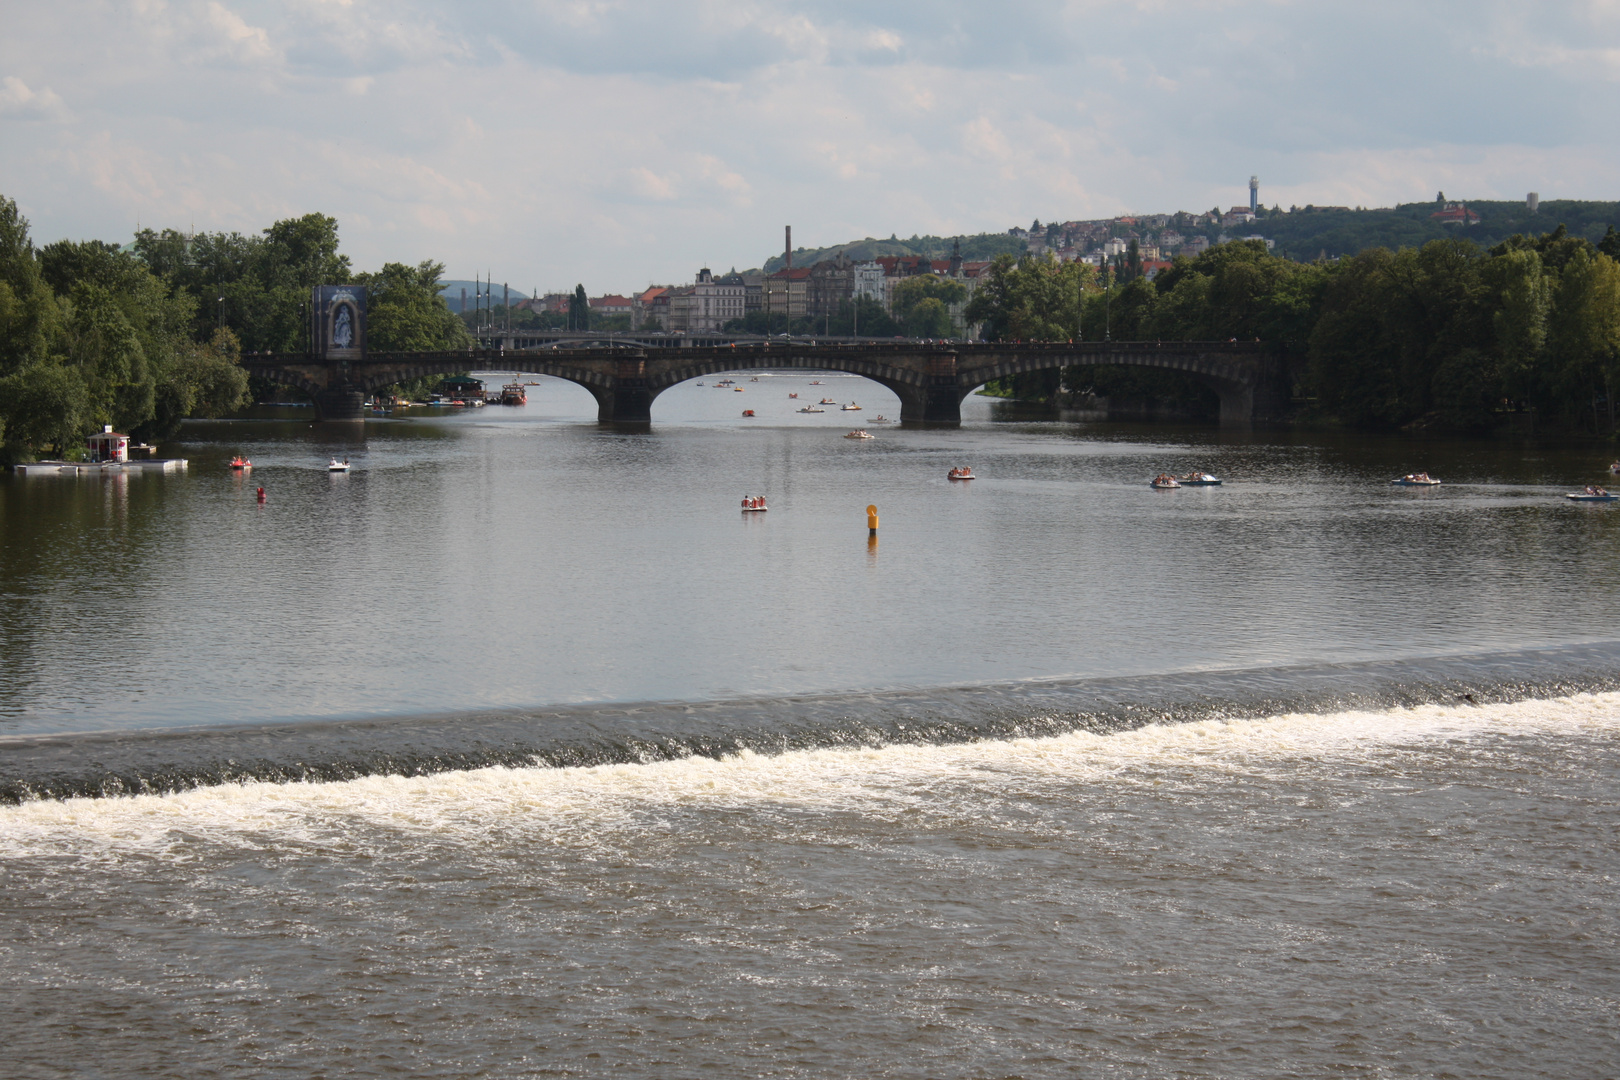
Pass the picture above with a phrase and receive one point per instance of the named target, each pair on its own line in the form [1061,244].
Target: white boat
[1199,479]
[1165,482]
[880,419]
[811,408]
[826,401]
[860,435]
[960,474]
[1592,494]
[338,466]
[851,407]
[1421,479]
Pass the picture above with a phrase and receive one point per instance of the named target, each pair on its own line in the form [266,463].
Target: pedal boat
[811,408]
[960,474]
[240,462]
[1418,480]
[1591,497]
[1165,483]
[1199,479]
[337,466]
[860,435]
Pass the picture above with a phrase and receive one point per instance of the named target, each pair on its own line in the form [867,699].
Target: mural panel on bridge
[338,322]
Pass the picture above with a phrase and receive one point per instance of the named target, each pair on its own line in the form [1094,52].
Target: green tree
[579,310]
[922,305]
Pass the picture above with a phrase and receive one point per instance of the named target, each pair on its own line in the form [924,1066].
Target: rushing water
[520,751]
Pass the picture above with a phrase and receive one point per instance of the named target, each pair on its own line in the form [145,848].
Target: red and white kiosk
[108,445]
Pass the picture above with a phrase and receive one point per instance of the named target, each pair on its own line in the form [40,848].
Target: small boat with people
[725,382]
[748,412]
[1199,479]
[240,462]
[880,419]
[793,395]
[1165,482]
[1615,468]
[860,433]
[851,407]
[337,466]
[1593,493]
[826,401]
[965,472]
[1421,479]
[815,382]
[811,408]
[754,504]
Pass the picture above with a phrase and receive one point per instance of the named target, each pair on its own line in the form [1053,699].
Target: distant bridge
[931,379]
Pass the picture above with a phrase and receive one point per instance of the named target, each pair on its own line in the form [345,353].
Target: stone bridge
[930,378]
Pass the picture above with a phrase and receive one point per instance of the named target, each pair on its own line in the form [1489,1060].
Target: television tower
[1254,194]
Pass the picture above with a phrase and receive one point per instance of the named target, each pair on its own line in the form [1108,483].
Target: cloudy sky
[620,143]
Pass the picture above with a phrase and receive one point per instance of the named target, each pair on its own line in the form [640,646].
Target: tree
[922,305]
[579,310]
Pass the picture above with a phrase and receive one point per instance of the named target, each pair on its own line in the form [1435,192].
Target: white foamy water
[574,804]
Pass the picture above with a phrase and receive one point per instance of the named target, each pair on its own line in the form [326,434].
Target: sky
[619,144]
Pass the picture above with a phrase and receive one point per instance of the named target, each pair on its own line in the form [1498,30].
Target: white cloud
[16,99]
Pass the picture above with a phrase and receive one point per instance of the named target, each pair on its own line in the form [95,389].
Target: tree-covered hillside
[1308,232]
[980,246]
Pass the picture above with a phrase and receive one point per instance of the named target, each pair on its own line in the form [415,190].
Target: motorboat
[1165,482]
[1593,494]
[851,407]
[1421,479]
[1199,479]
[826,401]
[960,474]
[811,408]
[338,466]
[240,462]
[860,435]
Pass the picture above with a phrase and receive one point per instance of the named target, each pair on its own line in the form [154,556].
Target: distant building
[1238,215]
[1269,243]
[612,304]
[787,292]
[1455,213]
[1195,246]
[705,305]
[829,287]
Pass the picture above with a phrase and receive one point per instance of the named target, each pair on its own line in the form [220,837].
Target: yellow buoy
[872,519]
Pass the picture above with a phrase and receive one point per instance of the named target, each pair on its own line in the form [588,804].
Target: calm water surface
[1303,775]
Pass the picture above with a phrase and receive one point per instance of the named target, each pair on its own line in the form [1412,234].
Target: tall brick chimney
[789,246]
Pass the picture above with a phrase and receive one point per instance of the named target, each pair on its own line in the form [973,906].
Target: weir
[931,378]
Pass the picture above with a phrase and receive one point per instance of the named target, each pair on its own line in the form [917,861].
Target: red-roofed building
[611,304]
[1455,214]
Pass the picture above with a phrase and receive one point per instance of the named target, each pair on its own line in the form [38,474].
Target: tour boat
[860,435]
[826,401]
[851,407]
[1199,479]
[1164,482]
[960,474]
[748,412]
[1421,479]
[338,466]
[240,462]
[811,408]
[514,394]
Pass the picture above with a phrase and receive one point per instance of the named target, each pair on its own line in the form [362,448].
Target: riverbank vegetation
[143,336]
[1447,336]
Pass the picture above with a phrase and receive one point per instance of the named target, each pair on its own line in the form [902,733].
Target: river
[519,750]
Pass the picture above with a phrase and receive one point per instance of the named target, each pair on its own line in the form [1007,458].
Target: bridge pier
[340,403]
[628,399]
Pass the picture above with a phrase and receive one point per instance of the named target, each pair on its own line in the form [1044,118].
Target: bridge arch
[1233,382]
